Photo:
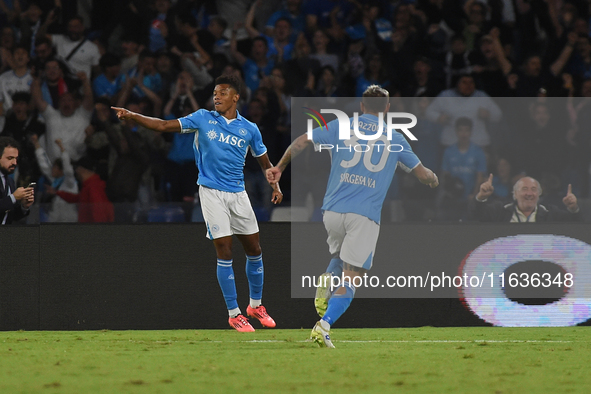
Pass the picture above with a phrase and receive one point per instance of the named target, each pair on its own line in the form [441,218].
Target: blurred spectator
[279,43]
[57,81]
[526,208]
[419,201]
[302,69]
[406,42]
[131,49]
[108,84]
[292,11]
[60,175]
[152,185]
[21,124]
[93,204]
[543,137]
[524,48]
[77,51]
[463,168]
[143,81]
[68,122]
[98,148]
[327,83]
[257,65]
[579,137]
[328,14]
[168,73]
[28,24]
[277,88]
[371,28]
[18,79]
[491,65]
[375,74]
[254,179]
[503,180]
[428,134]
[462,101]
[423,84]
[130,163]
[161,24]
[181,172]
[321,41]
[7,43]
[212,38]
[191,56]
[10,10]
[578,53]
[534,78]
[43,52]
[457,61]
[476,24]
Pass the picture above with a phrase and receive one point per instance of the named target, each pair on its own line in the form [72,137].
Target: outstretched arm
[296,147]
[171,126]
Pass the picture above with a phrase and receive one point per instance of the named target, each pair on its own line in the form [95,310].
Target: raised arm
[87,98]
[240,58]
[249,22]
[504,63]
[42,31]
[296,147]
[565,54]
[37,96]
[169,126]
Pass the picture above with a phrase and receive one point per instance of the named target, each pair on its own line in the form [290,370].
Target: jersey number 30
[366,150]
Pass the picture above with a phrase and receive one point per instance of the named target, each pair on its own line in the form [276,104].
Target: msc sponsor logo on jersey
[232,140]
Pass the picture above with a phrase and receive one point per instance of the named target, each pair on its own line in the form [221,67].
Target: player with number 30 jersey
[360,175]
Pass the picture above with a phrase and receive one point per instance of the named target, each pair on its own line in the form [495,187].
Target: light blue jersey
[361,171]
[221,147]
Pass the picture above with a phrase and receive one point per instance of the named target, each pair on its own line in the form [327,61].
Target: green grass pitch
[410,360]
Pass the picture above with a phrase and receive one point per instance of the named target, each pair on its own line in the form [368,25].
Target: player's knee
[223,250]
[253,250]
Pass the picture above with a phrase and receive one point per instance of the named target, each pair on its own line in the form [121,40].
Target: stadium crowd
[468,64]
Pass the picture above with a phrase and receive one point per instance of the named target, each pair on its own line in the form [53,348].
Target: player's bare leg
[255,275]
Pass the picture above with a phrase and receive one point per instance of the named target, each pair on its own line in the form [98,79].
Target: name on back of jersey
[358,180]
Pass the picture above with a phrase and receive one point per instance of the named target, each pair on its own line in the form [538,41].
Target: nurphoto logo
[369,131]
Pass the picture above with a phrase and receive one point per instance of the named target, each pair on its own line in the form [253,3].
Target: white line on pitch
[401,341]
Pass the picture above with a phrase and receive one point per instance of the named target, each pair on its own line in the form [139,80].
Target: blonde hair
[375,98]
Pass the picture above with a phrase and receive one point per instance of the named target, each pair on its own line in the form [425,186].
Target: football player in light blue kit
[222,140]
[360,175]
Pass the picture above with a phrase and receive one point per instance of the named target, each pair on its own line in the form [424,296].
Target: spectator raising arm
[565,54]
[249,22]
[240,58]
[37,96]
[87,99]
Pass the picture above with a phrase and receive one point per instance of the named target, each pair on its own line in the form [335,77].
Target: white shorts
[352,236]
[227,213]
